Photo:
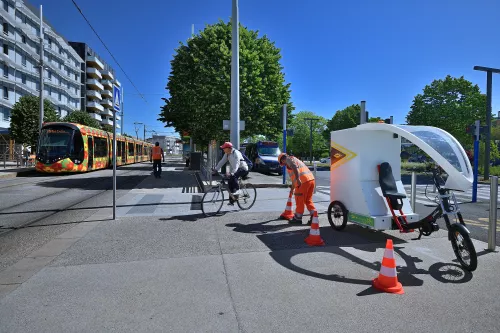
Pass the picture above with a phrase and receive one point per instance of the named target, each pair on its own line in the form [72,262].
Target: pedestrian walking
[156,156]
[303,184]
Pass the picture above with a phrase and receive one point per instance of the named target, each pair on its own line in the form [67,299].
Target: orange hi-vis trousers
[303,195]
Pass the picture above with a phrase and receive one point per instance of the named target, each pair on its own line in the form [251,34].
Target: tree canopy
[299,143]
[25,117]
[82,117]
[199,85]
[450,104]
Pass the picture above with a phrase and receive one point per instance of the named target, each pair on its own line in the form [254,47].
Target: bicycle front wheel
[212,201]
[463,247]
[247,197]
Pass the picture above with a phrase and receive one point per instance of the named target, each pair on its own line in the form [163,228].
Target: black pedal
[434,226]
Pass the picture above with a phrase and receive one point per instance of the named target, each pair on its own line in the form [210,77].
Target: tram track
[5,230]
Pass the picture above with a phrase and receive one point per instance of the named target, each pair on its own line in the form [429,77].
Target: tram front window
[60,142]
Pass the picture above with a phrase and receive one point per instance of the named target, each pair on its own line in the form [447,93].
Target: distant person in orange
[303,183]
[156,156]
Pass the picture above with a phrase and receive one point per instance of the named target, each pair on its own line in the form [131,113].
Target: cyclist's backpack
[249,163]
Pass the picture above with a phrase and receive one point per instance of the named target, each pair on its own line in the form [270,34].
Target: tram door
[91,153]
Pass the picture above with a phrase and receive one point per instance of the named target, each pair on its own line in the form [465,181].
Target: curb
[15,174]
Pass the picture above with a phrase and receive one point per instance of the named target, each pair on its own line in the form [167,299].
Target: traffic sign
[117,98]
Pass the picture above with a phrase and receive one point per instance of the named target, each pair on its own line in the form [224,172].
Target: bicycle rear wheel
[247,197]
[212,201]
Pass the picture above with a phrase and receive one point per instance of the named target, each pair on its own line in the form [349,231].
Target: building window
[23,39]
[50,42]
[60,65]
[5,70]
[6,49]
[25,19]
[5,93]
[23,78]
[50,75]
[60,97]
[76,77]
[23,60]
[5,6]
[37,50]
[6,28]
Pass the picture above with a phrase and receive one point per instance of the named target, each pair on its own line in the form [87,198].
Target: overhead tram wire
[104,44]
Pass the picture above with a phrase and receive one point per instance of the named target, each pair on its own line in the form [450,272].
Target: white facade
[20,56]
[167,143]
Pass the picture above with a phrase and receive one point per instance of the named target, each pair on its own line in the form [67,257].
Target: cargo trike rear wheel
[337,215]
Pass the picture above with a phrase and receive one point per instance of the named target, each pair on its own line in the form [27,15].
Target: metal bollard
[413,190]
[315,164]
[492,231]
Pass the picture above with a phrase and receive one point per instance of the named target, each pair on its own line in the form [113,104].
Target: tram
[74,148]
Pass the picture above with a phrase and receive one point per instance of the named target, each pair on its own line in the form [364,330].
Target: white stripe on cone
[314,232]
[389,254]
[389,272]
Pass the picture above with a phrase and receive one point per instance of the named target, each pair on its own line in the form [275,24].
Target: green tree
[299,143]
[450,104]
[25,116]
[83,118]
[199,85]
[342,119]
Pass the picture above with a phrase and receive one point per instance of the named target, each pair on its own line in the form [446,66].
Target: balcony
[118,117]
[94,73]
[107,94]
[93,106]
[92,61]
[94,84]
[107,112]
[107,122]
[117,83]
[96,116]
[94,95]
[108,84]
[107,103]
[108,75]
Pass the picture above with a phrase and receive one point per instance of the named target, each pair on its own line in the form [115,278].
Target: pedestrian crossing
[426,196]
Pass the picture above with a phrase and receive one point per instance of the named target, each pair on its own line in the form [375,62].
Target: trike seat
[388,186]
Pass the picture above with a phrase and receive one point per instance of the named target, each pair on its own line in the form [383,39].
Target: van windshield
[269,151]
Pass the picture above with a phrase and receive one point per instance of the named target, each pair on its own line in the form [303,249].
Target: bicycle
[458,234]
[214,197]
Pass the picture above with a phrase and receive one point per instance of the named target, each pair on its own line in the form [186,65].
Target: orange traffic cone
[288,213]
[314,239]
[387,279]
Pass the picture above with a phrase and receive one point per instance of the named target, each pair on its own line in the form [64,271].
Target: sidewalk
[238,272]
[11,170]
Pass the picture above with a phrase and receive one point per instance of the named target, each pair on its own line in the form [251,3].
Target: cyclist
[303,183]
[238,168]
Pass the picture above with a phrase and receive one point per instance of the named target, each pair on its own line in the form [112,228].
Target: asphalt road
[35,209]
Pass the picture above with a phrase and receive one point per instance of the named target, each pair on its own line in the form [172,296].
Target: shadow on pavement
[353,236]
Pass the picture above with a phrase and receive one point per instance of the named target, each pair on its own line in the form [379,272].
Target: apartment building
[20,57]
[97,81]
[167,143]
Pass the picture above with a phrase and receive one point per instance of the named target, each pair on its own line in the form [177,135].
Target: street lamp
[489,79]
[311,135]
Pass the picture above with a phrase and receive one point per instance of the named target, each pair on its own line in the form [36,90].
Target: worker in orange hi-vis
[303,183]
[156,156]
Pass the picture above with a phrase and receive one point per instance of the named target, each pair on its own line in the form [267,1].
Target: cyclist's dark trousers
[157,168]
[233,180]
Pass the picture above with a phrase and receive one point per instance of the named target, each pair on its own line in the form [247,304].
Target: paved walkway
[238,272]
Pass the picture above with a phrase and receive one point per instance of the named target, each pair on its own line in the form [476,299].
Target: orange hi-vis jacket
[156,153]
[305,174]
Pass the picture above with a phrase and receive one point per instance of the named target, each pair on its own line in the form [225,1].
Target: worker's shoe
[295,220]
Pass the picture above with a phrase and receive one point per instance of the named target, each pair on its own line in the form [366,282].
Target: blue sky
[335,53]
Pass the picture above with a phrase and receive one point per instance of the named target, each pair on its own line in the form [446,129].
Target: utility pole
[41,70]
[489,79]
[121,129]
[137,129]
[311,135]
[144,132]
[235,78]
